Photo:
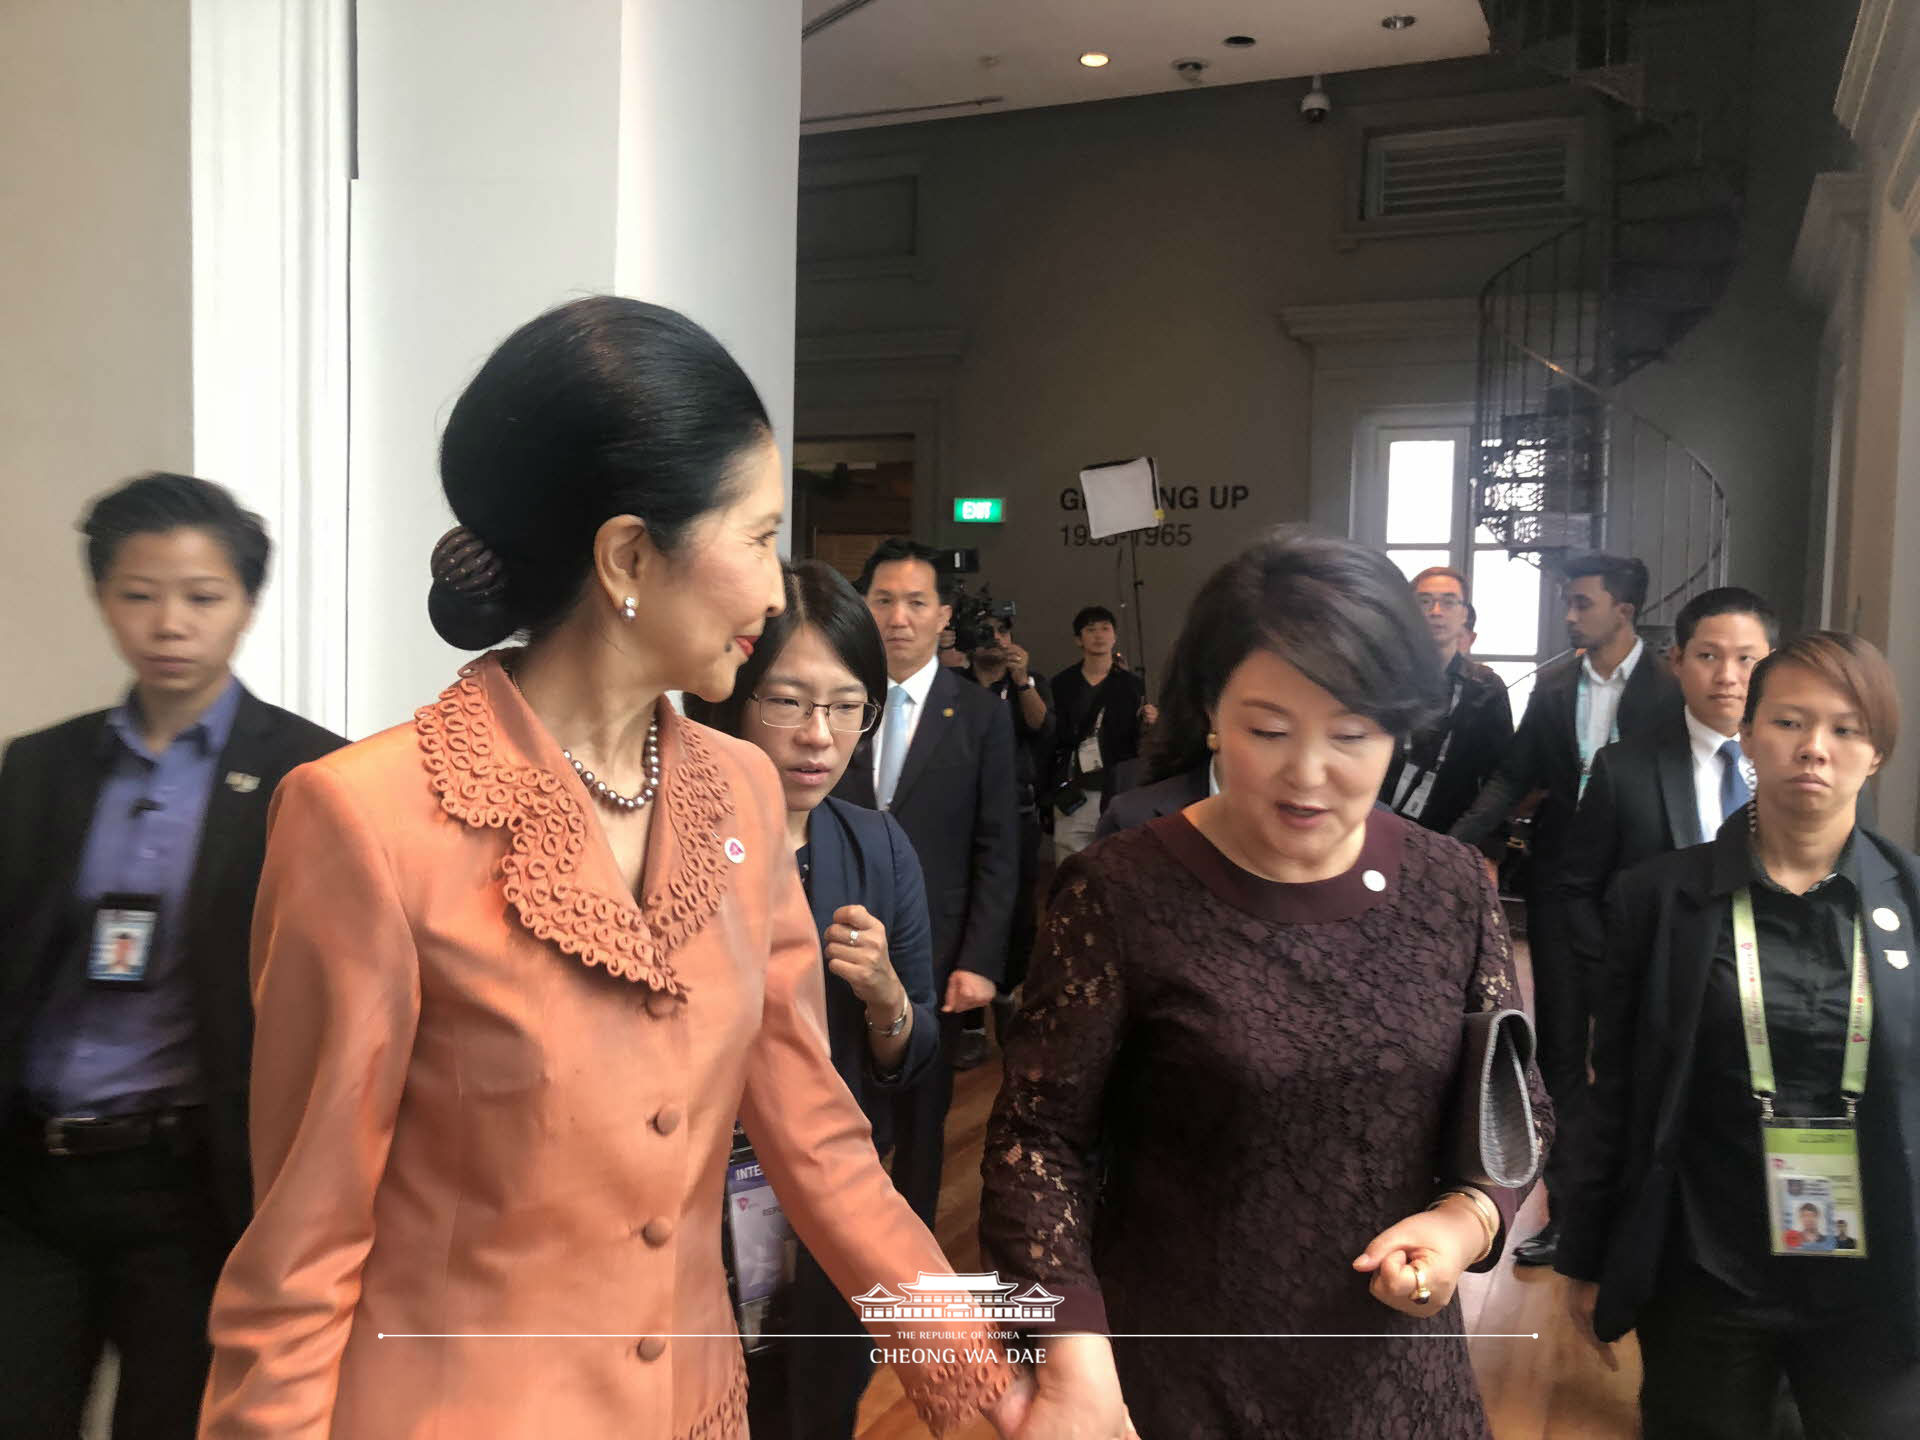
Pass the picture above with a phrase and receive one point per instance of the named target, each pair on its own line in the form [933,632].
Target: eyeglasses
[1439,602]
[849,717]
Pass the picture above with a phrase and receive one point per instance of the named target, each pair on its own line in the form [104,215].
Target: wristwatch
[899,1021]
[1026,687]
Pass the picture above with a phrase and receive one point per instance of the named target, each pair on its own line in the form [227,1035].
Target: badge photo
[120,947]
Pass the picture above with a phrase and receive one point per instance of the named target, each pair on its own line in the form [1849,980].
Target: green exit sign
[977,511]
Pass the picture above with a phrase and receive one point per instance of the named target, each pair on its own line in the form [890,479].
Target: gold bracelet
[1484,1211]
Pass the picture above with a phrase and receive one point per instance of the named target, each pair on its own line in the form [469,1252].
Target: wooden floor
[1552,1388]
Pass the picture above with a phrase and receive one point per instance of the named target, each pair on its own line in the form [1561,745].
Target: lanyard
[1753,1010]
[1412,775]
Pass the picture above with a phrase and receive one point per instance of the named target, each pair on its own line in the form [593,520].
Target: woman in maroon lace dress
[1227,1093]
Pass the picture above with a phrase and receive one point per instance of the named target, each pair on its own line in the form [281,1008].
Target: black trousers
[123,1247]
[920,1124]
[1560,1022]
[1714,1364]
[810,1389]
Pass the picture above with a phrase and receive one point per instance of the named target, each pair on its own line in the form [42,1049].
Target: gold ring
[1421,1294]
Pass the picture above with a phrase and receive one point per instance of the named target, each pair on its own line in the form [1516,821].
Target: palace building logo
[959,1297]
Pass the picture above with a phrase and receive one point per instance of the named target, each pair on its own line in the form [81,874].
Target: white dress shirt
[1600,701]
[916,685]
[1708,768]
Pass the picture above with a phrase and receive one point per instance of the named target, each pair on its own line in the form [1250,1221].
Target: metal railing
[1560,461]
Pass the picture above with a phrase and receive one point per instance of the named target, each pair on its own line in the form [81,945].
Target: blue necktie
[1734,791]
[893,746]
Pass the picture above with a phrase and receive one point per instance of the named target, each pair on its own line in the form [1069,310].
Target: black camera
[973,617]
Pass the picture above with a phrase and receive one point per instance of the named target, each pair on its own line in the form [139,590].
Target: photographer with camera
[1001,666]
[1101,708]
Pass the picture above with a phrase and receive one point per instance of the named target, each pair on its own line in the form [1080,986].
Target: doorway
[850,492]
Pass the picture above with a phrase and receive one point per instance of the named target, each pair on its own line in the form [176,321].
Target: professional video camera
[972,617]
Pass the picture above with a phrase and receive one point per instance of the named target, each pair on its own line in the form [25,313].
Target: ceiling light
[1094,59]
[1397,22]
[1238,42]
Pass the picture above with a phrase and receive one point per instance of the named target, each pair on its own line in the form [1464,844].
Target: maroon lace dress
[1220,1090]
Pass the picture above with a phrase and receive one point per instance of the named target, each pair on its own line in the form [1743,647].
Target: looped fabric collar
[494,766]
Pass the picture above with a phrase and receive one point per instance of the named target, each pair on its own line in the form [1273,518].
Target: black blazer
[1482,726]
[1150,802]
[955,800]
[1639,803]
[1545,754]
[49,784]
[861,857]
[1663,924]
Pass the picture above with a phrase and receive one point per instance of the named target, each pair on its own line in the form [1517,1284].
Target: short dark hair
[1725,600]
[1473,617]
[1093,615]
[896,549]
[817,595]
[161,501]
[1623,577]
[600,407]
[1853,666]
[1446,570]
[1338,612]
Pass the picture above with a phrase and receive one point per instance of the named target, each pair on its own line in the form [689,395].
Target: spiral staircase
[1561,460]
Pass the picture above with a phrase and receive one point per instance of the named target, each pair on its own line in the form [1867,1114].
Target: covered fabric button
[651,1348]
[667,1119]
[658,1230]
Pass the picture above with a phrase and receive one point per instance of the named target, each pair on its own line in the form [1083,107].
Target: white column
[513,156]
[709,176]
[272,152]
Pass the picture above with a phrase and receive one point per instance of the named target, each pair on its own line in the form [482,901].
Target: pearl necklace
[606,794]
[599,788]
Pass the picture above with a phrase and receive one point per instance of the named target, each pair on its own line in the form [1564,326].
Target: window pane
[1412,562]
[1420,499]
[1506,593]
[1518,689]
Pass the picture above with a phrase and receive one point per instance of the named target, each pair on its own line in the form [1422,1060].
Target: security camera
[1314,105]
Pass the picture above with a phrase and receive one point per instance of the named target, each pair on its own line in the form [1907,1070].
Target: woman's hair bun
[467,603]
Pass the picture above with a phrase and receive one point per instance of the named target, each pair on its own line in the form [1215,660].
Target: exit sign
[978,511]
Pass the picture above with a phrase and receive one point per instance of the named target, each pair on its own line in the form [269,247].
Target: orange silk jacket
[493,1099]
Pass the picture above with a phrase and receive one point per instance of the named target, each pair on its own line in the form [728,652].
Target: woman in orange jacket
[519,964]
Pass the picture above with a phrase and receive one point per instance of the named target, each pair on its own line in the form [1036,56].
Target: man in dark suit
[941,762]
[131,842]
[1670,789]
[1439,772]
[1613,690]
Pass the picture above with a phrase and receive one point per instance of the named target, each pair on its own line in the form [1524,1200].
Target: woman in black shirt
[1739,1061]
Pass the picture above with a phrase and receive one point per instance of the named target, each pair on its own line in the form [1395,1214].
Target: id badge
[1088,755]
[1814,1204]
[120,948]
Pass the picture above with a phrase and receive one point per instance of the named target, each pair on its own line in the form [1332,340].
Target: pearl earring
[629,608]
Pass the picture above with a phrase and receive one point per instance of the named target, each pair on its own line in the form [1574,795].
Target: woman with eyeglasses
[805,696]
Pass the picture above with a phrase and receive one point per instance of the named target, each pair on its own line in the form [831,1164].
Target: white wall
[96,311]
